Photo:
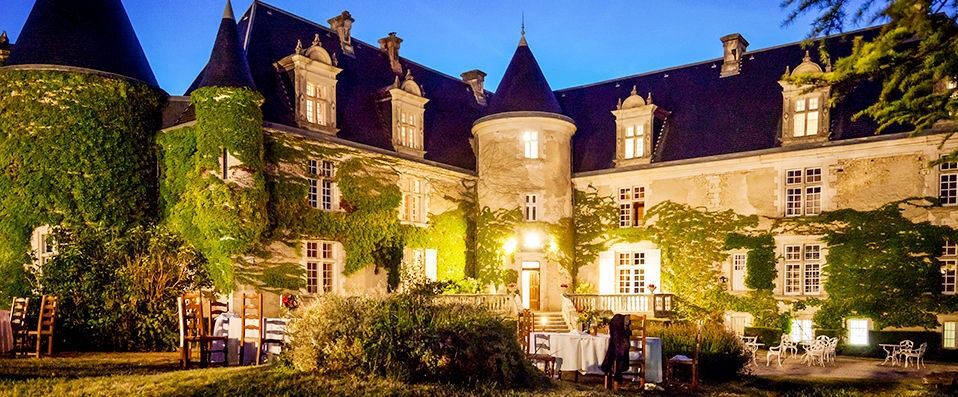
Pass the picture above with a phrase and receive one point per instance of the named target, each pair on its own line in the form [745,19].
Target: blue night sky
[575,42]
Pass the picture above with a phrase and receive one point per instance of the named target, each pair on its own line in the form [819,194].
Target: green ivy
[75,149]
[581,237]
[760,260]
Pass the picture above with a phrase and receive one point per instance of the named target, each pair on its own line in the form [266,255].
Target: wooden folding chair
[46,323]
[18,324]
[252,321]
[194,330]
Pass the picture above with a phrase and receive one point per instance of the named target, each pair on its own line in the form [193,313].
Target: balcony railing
[659,305]
[507,304]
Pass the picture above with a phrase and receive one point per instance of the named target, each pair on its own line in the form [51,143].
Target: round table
[6,332]
[575,351]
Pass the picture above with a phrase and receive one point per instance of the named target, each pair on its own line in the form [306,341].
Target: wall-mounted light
[532,239]
[509,246]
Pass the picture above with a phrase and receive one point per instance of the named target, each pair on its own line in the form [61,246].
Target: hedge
[768,336]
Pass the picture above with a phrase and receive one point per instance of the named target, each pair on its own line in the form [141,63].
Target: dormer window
[410,130]
[634,141]
[805,114]
[406,104]
[530,142]
[312,73]
[634,121]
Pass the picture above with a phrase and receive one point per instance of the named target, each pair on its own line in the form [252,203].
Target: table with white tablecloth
[231,325]
[575,351]
[6,332]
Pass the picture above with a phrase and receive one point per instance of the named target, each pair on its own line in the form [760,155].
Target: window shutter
[607,272]
[653,269]
[432,264]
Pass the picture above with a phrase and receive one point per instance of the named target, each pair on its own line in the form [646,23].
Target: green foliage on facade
[493,229]
[582,237]
[75,149]
[760,260]
[223,216]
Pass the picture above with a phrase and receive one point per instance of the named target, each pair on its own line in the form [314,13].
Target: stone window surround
[414,207]
[531,207]
[321,192]
[320,260]
[790,96]
[797,259]
[630,277]
[948,183]
[807,189]
[628,202]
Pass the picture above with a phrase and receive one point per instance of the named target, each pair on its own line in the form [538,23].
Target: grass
[156,374]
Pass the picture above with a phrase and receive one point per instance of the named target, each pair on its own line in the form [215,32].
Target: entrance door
[530,285]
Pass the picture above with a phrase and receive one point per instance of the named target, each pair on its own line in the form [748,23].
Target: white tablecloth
[6,332]
[577,352]
[230,325]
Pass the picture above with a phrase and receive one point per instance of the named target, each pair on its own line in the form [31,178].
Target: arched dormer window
[407,106]
[312,72]
[634,121]
[805,115]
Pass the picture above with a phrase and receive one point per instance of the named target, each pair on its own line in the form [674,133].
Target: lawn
[156,374]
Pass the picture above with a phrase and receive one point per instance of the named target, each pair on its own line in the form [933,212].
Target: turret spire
[227,66]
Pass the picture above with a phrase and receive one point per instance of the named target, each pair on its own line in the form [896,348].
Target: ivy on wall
[75,149]
[760,261]
[581,237]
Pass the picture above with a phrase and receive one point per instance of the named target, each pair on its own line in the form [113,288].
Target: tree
[914,55]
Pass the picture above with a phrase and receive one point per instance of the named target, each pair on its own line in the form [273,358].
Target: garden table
[891,352]
[6,332]
[230,325]
[584,353]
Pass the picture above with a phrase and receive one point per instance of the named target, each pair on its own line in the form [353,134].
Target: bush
[721,357]
[768,336]
[409,337]
[117,290]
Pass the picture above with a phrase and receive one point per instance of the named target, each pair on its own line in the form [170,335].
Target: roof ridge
[688,65]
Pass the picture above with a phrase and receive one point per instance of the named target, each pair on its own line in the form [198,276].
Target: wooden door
[533,290]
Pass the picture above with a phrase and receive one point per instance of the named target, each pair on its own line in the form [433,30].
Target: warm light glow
[553,246]
[532,240]
[510,246]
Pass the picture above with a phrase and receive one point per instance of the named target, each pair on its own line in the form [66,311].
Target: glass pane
[812,128]
[800,105]
[629,148]
[799,124]
[812,103]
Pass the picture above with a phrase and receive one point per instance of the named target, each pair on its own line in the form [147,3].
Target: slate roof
[711,115]
[270,34]
[91,34]
[523,86]
[227,66]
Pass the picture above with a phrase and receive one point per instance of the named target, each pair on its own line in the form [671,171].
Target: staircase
[549,322]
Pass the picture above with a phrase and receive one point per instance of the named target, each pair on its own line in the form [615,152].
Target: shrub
[720,351]
[117,289]
[409,337]
[767,335]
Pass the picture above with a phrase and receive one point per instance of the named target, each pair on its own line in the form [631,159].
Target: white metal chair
[830,352]
[918,354]
[903,346]
[814,352]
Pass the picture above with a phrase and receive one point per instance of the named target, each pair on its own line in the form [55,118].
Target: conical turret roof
[91,34]
[227,66]
[523,87]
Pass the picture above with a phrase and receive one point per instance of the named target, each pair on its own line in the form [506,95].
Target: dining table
[892,350]
[6,332]
[583,352]
[230,324]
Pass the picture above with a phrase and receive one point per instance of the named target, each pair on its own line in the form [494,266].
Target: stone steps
[550,322]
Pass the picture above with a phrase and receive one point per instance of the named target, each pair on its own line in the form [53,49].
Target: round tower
[523,160]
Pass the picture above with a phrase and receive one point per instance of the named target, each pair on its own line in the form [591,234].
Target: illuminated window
[317,103]
[948,334]
[634,144]
[803,192]
[530,208]
[530,141]
[631,272]
[858,332]
[802,330]
[321,175]
[806,117]
[413,200]
[320,260]
[631,206]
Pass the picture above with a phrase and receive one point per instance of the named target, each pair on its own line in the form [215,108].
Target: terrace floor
[846,367]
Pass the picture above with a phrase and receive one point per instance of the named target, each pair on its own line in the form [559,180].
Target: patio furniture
[46,323]
[679,361]
[533,348]
[192,330]
[637,351]
[891,353]
[830,347]
[251,321]
[751,350]
[814,352]
[789,345]
[781,351]
[18,326]
[918,354]
[582,353]
[274,333]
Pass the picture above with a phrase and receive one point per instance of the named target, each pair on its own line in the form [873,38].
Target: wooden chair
[526,324]
[676,362]
[18,324]
[46,323]
[274,333]
[637,349]
[252,321]
[218,307]
[194,330]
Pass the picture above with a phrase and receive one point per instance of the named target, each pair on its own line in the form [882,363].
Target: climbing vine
[75,149]
[580,239]
[760,261]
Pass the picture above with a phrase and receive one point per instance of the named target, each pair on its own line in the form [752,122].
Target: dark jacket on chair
[618,351]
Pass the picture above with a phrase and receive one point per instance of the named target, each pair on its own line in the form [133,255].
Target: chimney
[342,25]
[390,45]
[734,46]
[475,78]
[4,48]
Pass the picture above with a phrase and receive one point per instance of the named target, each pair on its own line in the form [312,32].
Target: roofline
[761,152]
[355,145]
[714,60]
[249,25]
[353,39]
[523,113]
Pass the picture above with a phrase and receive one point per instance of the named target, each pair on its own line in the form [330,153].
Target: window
[320,259]
[858,332]
[803,269]
[530,208]
[47,249]
[949,260]
[410,130]
[948,187]
[634,145]
[530,141]
[631,272]
[803,192]
[631,206]
[802,330]
[317,103]
[413,200]
[739,262]
[806,117]
[321,174]
[948,334]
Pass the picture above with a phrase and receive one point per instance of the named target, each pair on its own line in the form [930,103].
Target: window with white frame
[47,248]
[320,261]
[803,192]
[410,130]
[413,200]
[806,116]
[630,270]
[948,334]
[634,141]
[317,103]
[739,263]
[948,182]
[530,208]
[857,331]
[631,206]
[320,178]
[802,330]
[530,141]
[949,260]
[803,269]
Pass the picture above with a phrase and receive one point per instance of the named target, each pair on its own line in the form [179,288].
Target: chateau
[303,160]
